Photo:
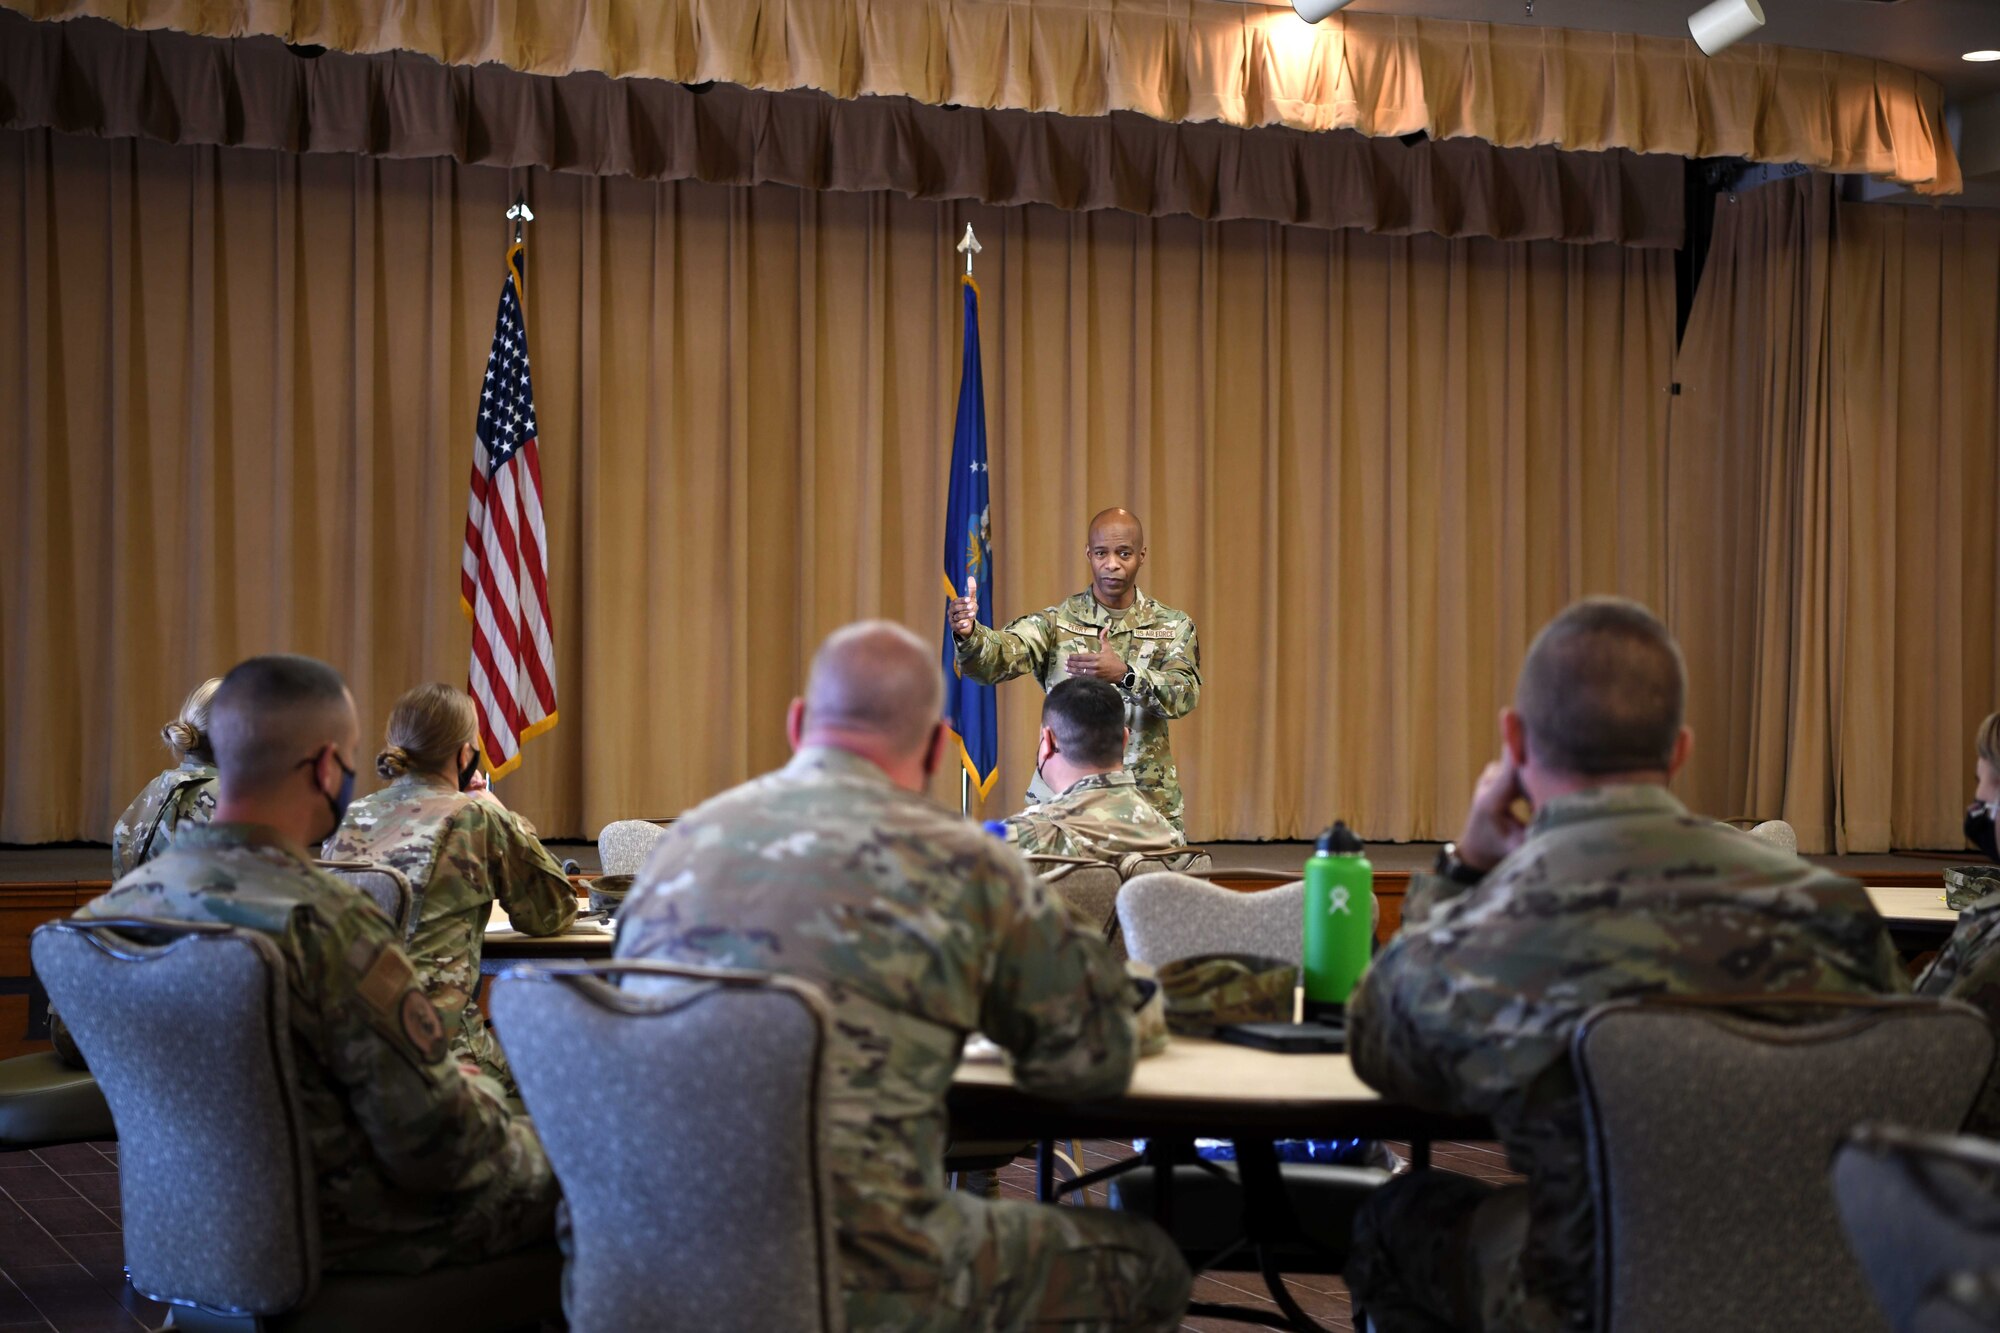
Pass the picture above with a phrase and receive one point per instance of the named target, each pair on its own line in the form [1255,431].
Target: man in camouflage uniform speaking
[1111,631]
[1613,890]
[417,1165]
[920,928]
[1098,812]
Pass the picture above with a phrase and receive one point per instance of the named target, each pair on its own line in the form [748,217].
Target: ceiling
[1927,35]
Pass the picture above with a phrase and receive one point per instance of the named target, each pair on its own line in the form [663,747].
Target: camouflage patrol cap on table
[1966,885]
[607,892]
[1149,1020]
[1216,988]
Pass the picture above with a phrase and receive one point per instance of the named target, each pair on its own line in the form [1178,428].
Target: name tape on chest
[1092,631]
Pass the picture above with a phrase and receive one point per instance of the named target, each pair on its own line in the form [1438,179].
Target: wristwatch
[1130,682]
[1450,867]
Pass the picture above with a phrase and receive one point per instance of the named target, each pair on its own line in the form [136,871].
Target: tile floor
[62,1254]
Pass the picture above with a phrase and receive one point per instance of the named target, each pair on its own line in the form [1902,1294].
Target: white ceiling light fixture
[1724,23]
[1980,57]
[1312,11]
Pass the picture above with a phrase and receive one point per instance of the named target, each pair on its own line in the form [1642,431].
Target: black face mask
[1979,831]
[469,772]
[340,800]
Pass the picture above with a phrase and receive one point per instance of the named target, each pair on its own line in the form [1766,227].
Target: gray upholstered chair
[386,887]
[1918,1209]
[1169,916]
[1778,833]
[190,1040]
[683,1114]
[1708,1134]
[624,844]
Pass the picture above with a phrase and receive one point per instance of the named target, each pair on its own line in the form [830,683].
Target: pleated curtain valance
[92,77]
[1173,61]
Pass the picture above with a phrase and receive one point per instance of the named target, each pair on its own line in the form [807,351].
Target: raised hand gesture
[963,612]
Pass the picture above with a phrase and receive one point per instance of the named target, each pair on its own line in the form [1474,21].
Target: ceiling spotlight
[1981,56]
[1724,23]
[1312,11]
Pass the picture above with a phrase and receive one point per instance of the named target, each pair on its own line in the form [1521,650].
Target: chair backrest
[683,1113]
[1089,889]
[1778,833]
[624,844]
[1709,1130]
[1187,861]
[1917,1209]
[1172,916]
[387,887]
[190,1041]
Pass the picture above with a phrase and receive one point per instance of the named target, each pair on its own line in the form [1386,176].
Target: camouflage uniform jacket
[1101,817]
[920,928]
[1617,892]
[180,796]
[1155,641]
[459,853]
[401,1139]
[1968,969]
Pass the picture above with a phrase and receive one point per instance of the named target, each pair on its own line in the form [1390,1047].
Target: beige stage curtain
[91,77]
[1750,530]
[1172,60]
[237,388]
[1832,488]
[1917,356]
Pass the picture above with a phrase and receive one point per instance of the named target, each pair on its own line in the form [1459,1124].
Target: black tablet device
[1286,1038]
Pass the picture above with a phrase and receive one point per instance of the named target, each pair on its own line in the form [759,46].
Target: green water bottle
[1339,917]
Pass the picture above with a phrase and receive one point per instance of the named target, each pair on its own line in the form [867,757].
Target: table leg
[1420,1154]
[1162,1154]
[1268,1220]
[1045,1171]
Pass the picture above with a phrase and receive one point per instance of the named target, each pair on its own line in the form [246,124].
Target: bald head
[875,680]
[1106,520]
[271,713]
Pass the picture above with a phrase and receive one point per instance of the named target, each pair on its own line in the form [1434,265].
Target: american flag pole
[503,576]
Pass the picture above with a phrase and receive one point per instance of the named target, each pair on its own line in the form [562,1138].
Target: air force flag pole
[968,556]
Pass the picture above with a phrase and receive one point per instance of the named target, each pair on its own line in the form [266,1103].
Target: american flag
[504,579]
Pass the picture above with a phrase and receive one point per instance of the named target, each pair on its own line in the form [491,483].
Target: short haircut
[1987,741]
[1088,717]
[1603,690]
[271,712]
[876,678]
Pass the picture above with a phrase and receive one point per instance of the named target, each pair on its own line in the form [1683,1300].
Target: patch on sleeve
[422,1025]
[387,980]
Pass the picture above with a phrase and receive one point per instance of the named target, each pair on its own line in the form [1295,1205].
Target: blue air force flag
[968,555]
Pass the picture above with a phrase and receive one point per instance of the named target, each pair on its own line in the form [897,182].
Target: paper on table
[982,1048]
[498,923]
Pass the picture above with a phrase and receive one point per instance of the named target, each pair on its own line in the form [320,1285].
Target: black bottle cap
[1339,840]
